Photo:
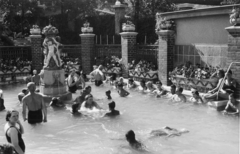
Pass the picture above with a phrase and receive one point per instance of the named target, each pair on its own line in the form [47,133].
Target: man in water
[168,131]
[179,97]
[33,101]
[112,112]
[98,75]
[232,106]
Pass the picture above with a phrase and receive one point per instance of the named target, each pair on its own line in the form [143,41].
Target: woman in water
[13,130]
[89,103]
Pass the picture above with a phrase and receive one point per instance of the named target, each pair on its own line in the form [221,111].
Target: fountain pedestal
[52,75]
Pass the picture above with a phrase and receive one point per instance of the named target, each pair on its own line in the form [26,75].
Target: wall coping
[233,29]
[124,34]
[87,35]
[35,36]
[218,10]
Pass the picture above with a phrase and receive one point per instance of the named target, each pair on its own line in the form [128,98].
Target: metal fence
[147,52]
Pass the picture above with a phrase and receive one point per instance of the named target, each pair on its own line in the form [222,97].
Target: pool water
[210,131]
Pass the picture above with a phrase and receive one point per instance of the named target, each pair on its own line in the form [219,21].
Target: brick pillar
[165,55]
[128,42]
[87,52]
[37,53]
[233,54]
[119,16]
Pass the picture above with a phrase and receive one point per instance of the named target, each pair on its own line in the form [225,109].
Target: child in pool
[108,94]
[142,86]
[159,90]
[150,87]
[196,98]
[122,92]
[168,131]
[232,106]
[131,84]
[179,97]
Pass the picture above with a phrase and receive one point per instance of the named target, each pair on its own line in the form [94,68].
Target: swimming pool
[210,131]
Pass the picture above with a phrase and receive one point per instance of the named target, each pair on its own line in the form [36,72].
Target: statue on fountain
[51,51]
[52,58]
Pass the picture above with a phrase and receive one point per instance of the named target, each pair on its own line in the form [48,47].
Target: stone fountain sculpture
[52,75]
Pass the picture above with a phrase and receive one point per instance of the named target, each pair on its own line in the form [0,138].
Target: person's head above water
[89,97]
[143,83]
[31,87]
[88,89]
[25,91]
[111,105]
[179,90]
[130,136]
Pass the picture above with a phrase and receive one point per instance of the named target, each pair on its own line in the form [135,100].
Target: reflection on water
[210,131]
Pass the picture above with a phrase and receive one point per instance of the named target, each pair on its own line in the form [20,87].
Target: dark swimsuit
[20,140]
[35,116]
[229,88]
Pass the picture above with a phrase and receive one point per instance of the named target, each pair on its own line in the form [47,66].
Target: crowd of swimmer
[32,101]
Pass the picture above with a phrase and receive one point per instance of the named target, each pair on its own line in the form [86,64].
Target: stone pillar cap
[233,29]
[119,6]
[128,33]
[35,36]
[87,35]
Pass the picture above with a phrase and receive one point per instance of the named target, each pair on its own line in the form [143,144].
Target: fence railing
[14,52]
[148,53]
[71,53]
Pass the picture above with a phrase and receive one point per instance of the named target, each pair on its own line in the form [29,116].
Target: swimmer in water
[89,103]
[112,112]
[122,92]
[75,108]
[196,97]
[56,103]
[179,97]
[131,84]
[142,86]
[168,131]
[150,87]
[160,91]
[130,137]
[108,94]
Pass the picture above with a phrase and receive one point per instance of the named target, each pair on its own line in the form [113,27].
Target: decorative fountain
[52,75]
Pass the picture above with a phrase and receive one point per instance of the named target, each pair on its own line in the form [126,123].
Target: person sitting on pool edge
[159,91]
[122,92]
[131,84]
[112,112]
[196,97]
[168,131]
[130,137]
[89,103]
[22,94]
[179,97]
[232,106]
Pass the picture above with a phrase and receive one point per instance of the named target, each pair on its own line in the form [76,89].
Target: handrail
[222,82]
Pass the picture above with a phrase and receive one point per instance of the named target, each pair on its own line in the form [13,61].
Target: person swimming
[159,90]
[168,131]
[131,84]
[196,97]
[112,112]
[108,94]
[122,92]
[75,108]
[89,103]
[56,103]
[142,86]
[130,137]
[179,97]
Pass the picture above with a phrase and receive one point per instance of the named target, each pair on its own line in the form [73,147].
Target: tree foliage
[230,2]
